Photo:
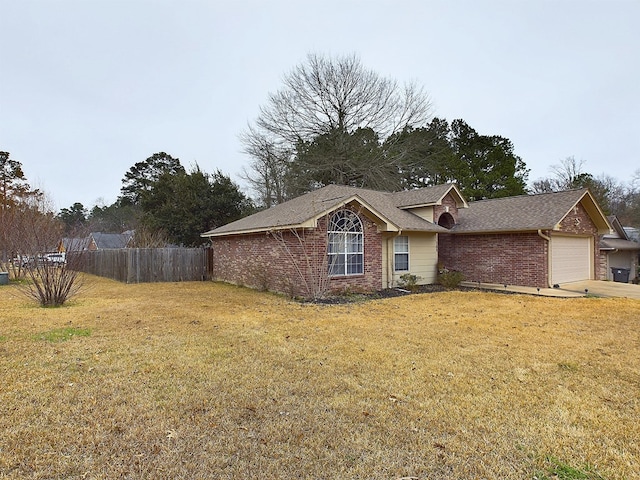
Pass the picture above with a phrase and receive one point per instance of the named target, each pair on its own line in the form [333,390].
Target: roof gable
[616,228]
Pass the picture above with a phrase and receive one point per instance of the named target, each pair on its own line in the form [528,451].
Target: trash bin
[4,278]
[620,274]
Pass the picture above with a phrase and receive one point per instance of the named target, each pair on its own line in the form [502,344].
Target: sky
[88,88]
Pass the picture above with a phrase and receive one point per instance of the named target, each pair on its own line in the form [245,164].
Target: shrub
[51,285]
[450,278]
[409,281]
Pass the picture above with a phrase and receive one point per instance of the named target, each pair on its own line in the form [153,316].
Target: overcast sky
[90,87]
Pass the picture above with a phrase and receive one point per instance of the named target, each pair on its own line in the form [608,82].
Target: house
[532,240]
[73,244]
[342,238]
[105,241]
[619,254]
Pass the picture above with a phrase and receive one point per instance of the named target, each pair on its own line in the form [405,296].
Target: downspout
[390,260]
[548,239]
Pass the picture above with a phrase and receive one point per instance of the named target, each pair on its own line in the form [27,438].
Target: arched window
[345,252]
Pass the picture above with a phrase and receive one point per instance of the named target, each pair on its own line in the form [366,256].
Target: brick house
[531,240]
[341,238]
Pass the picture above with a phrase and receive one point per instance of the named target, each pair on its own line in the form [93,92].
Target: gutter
[390,260]
[548,239]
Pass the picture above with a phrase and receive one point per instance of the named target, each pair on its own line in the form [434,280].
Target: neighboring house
[342,238]
[632,233]
[105,241]
[618,254]
[73,245]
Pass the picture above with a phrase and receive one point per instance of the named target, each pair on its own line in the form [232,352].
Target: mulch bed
[391,293]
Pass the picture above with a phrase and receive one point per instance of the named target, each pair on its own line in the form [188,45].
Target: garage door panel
[570,259]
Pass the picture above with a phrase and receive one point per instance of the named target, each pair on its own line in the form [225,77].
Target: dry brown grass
[202,380]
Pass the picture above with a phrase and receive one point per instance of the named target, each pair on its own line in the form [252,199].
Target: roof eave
[250,231]
[384,224]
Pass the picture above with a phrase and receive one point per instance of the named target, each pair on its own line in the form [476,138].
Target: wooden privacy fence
[138,265]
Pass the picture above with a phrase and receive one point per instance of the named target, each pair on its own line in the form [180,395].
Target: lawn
[205,380]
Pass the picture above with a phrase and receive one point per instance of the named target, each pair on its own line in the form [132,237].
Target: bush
[450,278]
[409,281]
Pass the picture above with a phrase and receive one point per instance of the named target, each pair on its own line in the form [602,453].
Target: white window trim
[345,254]
[407,253]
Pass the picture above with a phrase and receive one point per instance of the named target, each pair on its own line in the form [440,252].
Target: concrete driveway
[601,288]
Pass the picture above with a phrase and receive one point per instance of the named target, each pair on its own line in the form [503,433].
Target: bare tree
[568,173]
[268,167]
[145,237]
[340,94]
[53,276]
[324,97]
[309,259]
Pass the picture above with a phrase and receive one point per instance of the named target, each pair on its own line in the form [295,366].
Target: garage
[571,259]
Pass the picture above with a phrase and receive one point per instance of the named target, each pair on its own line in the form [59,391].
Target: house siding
[294,262]
[423,258]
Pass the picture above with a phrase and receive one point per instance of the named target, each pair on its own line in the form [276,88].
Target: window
[401,254]
[346,244]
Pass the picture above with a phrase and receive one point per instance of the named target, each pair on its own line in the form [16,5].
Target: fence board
[141,265]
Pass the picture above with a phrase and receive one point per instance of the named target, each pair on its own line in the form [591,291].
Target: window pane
[336,264]
[336,243]
[354,264]
[401,244]
[354,242]
[401,262]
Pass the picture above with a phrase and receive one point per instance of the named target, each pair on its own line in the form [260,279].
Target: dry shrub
[203,380]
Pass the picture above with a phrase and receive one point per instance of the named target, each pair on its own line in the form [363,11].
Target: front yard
[204,380]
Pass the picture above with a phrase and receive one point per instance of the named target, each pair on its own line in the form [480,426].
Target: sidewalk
[597,288]
[544,292]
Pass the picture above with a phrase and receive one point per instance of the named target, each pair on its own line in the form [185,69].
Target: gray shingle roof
[76,244]
[521,213]
[618,244]
[423,196]
[110,240]
[307,207]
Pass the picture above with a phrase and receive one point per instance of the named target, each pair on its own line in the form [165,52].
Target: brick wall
[448,206]
[294,262]
[512,259]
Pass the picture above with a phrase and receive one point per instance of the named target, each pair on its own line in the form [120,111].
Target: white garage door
[570,259]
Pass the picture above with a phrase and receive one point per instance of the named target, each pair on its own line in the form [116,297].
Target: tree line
[333,121]
[164,204]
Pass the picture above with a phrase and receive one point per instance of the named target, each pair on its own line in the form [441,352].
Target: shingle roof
[425,196]
[522,213]
[75,244]
[110,240]
[618,244]
[312,205]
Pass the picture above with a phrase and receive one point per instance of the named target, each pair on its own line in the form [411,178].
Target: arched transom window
[346,244]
